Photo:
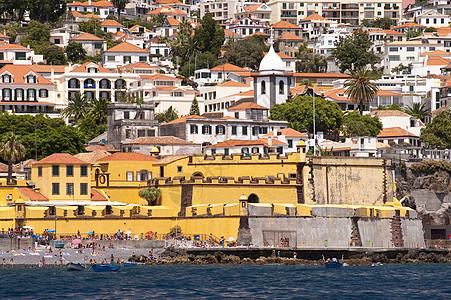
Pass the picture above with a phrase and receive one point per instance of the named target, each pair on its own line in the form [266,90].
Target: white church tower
[271,85]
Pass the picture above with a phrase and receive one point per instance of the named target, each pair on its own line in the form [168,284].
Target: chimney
[269,141]
[89,2]
[52,75]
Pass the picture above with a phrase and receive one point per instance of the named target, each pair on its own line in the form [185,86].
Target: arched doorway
[253,198]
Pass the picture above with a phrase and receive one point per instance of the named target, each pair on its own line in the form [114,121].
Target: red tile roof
[386,31]
[321,75]
[237,143]
[410,24]
[20,71]
[126,47]
[247,105]
[395,132]
[315,17]
[167,10]
[87,37]
[437,61]
[139,65]
[228,68]
[232,83]
[168,2]
[243,94]
[113,23]
[13,46]
[290,36]
[389,113]
[285,24]
[127,156]
[32,195]
[183,119]
[159,77]
[91,157]
[228,32]
[48,68]
[288,132]
[83,67]
[172,21]
[60,158]
[102,3]
[436,53]
[97,196]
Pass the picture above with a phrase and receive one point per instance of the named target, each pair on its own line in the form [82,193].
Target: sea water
[394,281]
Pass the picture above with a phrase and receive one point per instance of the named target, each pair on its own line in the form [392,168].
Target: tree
[93,27]
[158,20]
[360,87]
[354,51]
[355,124]
[47,11]
[199,61]
[15,8]
[413,32]
[209,35]
[42,135]
[38,35]
[151,194]
[437,134]
[430,29]
[194,110]
[75,52]
[391,107]
[167,116]
[11,151]
[401,68]
[54,55]
[120,5]
[299,113]
[419,110]
[310,62]
[78,107]
[383,23]
[245,53]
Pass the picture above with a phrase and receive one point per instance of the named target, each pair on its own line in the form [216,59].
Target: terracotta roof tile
[238,143]
[230,33]
[394,132]
[91,157]
[111,23]
[97,196]
[437,61]
[14,46]
[386,31]
[290,36]
[288,132]
[285,24]
[249,93]
[228,68]
[315,17]
[160,140]
[183,119]
[167,10]
[159,77]
[436,53]
[32,195]
[169,159]
[410,24]
[232,83]
[389,113]
[281,55]
[321,75]
[48,68]
[83,67]
[20,71]
[87,37]
[139,65]
[172,21]
[126,47]
[60,158]
[247,105]
[127,156]
[252,7]
[168,2]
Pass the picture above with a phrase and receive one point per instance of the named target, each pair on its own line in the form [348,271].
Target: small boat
[75,267]
[129,264]
[333,265]
[106,268]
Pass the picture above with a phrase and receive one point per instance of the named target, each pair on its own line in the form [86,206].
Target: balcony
[288,16]
[89,85]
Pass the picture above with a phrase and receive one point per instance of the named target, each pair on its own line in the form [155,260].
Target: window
[179,169]
[206,129]
[55,170]
[6,78]
[220,129]
[40,171]
[129,175]
[20,56]
[143,58]
[226,151]
[151,132]
[193,129]
[237,115]
[290,143]
[57,41]
[70,171]
[393,49]
[43,93]
[31,79]
[255,130]
[177,94]
[55,188]
[281,87]
[244,129]
[410,49]
[141,133]
[83,171]
[6,94]
[234,130]
[31,94]
[128,133]
[83,188]
[69,188]
[263,87]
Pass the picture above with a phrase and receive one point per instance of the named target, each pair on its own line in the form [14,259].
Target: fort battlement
[223,180]
[293,157]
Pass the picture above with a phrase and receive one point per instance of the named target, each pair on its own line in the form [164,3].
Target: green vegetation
[167,116]
[299,113]
[151,194]
[41,135]
[194,109]
[245,53]
[354,124]
[383,23]
[310,62]
[11,151]
[54,55]
[360,87]
[419,110]
[437,134]
[75,52]
[120,5]
[44,11]
[175,231]
[354,52]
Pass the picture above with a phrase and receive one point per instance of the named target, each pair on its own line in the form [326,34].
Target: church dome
[272,64]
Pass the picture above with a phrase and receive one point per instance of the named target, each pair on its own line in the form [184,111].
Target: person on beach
[12,262]
[295,255]
[4,263]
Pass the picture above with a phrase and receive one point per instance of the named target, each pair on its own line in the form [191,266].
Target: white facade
[432,18]
[124,54]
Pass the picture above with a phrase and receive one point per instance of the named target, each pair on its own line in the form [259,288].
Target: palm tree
[418,110]
[151,194]
[98,110]
[120,5]
[11,151]
[360,88]
[78,107]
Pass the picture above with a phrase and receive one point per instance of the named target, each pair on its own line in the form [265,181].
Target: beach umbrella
[50,230]
[89,232]
[230,239]
[27,227]
[76,241]
[149,232]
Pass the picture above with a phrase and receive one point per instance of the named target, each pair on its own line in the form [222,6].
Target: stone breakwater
[180,256]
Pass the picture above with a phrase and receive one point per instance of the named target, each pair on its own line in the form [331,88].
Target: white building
[396,118]
[124,54]
[314,25]
[217,97]
[259,11]
[19,55]
[167,145]
[102,8]
[111,26]
[432,18]
[246,26]
[217,74]
[92,44]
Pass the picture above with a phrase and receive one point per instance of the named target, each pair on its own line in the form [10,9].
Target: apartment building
[351,12]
